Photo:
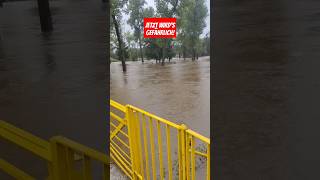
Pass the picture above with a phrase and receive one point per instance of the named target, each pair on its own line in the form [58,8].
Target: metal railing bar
[122,142]
[118,106]
[120,163]
[198,136]
[126,159]
[14,171]
[187,140]
[193,159]
[81,148]
[145,146]
[160,150]
[153,161]
[25,140]
[169,152]
[118,118]
[86,163]
[155,117]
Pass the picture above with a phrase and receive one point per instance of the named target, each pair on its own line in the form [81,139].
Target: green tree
[116,17]
[113,44]
[135,8]
[166,8]
[206,44]
[148,12]
[193,14]
[131,42]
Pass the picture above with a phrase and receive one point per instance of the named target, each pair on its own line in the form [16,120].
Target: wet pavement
[53,84]
[266,90]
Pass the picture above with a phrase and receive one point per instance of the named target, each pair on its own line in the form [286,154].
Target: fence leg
[51,171]
[54,165]
[183,149]
[59,161]
[131,134]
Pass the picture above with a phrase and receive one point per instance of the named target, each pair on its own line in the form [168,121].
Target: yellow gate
[146,146]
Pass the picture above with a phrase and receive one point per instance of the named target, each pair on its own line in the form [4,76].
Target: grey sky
[126,27]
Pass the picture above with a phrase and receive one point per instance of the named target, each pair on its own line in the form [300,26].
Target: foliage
[135,8]
[190,16]
[116,16]
[192,22]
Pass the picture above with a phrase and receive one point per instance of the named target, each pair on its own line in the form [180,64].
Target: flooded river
[266,90]
[178,91]
[53,84]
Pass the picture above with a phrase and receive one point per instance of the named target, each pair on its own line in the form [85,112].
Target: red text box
[159,28]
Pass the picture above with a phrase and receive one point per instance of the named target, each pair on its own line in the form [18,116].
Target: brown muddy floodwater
[266,84]
[53,84]
[178,91]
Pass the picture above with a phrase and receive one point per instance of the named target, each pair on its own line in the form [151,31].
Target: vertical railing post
[131,133]
[182,152]
[138,143]
[51,174]
[55,166]
[62,160]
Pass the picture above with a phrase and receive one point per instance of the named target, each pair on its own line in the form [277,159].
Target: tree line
[190,14]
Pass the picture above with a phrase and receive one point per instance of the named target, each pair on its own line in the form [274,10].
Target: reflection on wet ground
[266,84]
[53,84]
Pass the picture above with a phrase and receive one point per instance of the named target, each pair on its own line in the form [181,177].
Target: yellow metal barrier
[60,154]
[146,146]
[119,138]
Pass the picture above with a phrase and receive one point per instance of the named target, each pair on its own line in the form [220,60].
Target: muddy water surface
[266,90]
[53,84]
[178,91]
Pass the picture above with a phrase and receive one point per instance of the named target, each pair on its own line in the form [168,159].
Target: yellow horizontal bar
[25,140]
[120,158]
[14,171]
[126,135]
[113,125]
[117,105]
[121,166]
[200,153]
[198,136]
[122,142]
[124,160]
[81,148]
[116,117]
[116,147]
[155,117]
[126,169]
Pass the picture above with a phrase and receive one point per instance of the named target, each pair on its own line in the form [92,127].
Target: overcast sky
[126,27]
